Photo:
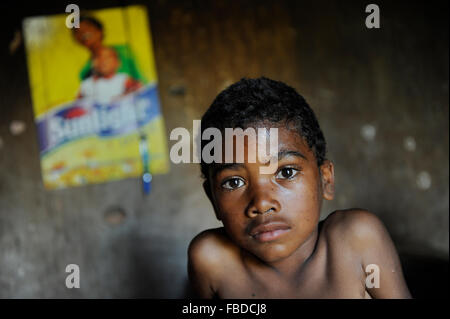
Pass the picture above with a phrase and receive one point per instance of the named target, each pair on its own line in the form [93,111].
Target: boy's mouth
[269,231]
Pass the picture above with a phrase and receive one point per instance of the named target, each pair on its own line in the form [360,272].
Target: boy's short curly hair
[251,101]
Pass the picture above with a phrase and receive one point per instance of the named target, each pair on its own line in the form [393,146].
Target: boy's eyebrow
[283,153]
[220,167]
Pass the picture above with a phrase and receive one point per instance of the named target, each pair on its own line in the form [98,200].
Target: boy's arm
[203,264]
[376,248]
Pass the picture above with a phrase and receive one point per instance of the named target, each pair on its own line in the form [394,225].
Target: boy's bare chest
[323,277]
[317,290]
[311,289]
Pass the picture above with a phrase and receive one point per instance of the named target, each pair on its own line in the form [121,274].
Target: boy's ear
[207,189]
[327,179]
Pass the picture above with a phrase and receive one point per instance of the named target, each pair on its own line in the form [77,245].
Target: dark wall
[381,96]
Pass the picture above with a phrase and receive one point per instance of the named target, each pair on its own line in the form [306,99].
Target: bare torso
[333,270]
[324,274]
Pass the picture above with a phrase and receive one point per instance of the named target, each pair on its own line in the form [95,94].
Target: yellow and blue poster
[95,97]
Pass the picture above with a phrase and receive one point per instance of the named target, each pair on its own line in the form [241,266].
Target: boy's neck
[290,267]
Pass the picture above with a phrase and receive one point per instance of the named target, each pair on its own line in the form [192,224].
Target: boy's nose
[263,201]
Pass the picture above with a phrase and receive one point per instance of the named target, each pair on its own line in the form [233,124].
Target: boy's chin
[272,255]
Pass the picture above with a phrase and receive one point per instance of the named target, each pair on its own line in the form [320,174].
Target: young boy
[272,244]
[105,84]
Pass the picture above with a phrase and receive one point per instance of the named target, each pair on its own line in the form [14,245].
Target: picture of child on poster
[111,71]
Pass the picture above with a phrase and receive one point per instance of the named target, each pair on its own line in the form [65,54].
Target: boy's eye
[287,173]
[233,183]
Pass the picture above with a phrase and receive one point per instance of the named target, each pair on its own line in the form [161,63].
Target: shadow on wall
[427,277]
[155,269]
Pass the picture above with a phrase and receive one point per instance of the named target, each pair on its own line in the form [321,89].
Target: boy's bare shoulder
[361,235]
[211,250]
[211,245]
[356,228]
[210,254]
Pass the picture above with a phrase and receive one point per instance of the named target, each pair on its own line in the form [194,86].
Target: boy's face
[272,215]
[106,62]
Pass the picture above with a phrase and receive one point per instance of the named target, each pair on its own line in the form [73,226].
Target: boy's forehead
[289,143]
[260,136]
